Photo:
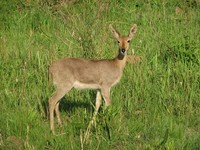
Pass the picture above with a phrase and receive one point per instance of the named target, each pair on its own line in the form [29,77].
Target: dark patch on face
[121,54]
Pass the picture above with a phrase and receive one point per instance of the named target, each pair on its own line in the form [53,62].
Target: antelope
[80,73]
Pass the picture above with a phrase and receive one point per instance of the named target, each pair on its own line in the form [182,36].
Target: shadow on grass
[67,104]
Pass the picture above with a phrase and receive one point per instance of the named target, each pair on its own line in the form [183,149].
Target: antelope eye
[118,41]
[128,41]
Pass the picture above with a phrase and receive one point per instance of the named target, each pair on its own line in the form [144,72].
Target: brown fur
[93,74]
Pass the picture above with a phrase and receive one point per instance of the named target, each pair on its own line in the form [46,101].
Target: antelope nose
[123,50]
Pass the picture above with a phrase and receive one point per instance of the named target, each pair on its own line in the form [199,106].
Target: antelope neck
[121,59]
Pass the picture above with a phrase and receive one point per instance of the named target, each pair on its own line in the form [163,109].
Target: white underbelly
[79,85]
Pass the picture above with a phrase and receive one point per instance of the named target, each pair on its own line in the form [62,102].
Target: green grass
[156,105]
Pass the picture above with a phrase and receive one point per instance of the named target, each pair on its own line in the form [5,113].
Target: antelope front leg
[98,101]
[106,95]
[97,106]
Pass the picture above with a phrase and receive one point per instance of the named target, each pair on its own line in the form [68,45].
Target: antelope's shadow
[69,103]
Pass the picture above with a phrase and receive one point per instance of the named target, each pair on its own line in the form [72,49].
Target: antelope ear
[115,32]
[132,31]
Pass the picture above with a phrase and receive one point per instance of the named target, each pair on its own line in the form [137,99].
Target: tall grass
[155,106]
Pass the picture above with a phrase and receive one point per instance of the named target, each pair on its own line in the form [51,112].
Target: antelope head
[124,41]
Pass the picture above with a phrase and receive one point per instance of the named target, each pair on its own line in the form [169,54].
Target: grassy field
[156,105]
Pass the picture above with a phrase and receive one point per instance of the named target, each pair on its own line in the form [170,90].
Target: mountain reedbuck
[89,74]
